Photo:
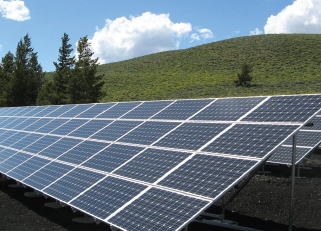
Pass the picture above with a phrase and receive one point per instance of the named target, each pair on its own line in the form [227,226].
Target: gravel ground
[262,204]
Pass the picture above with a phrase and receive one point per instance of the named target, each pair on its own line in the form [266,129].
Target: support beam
[292,183]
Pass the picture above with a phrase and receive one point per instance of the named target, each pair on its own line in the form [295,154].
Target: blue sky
[124,29]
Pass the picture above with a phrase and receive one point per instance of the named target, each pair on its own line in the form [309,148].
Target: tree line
[75,80]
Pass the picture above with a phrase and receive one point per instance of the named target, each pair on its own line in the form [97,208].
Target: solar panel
[149,165]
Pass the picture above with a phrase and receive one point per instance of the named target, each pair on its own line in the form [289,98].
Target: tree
[27,78]
[84,86]
[244,78]
[6,71]
[63,71]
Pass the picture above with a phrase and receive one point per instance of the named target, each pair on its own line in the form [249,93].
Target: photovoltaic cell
[62,109]
[306,139]
[52,125]
[68,127]
[15,123]
[90,128]
[191,136]
[24,111]
[151,164]
[316,124]
[46,111]
[115,130]
[26,141]
[118,110]
[228,109]
[59,147]
[147,109]
[11,122]
[283,155]
[25,123]
[70,185]
[13,161]
[6,153]
[76,110]
[182,109]
[7,134]
[35,111]
[286,108]
[47,175]
[107,196]
[207,175]
[27,168]
[95,110]
[41,144]
[148,132]
[255,140]
[37,124]
[158,210]
[82,152]
[14,138]
[112,157]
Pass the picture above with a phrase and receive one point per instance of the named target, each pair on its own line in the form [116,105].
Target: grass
[283,64]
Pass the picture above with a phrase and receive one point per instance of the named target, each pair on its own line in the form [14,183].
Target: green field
[283,64]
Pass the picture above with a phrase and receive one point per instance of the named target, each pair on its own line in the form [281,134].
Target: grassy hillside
[283,64]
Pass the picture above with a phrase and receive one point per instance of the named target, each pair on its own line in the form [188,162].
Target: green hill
[283,64]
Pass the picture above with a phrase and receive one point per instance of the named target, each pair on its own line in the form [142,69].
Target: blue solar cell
[76,110]
[316,121]
[253,140]
[158,210]
[38,124]
[62,109]
[8,121]
[47,175]
[90,128]
[82,152]
[147,109]
[182,109]
[68,127]
[112,157]
[46,111]
[6,153]
[24,111]
[305,138]
[27,168]
[228,109]
[283,155]
[5,135]
[294,108]
[26,141]
[1,132]
[14,123]
[14,138]
[59,147]
[35,111]
[72,184]
[115,130]
[148,132]
[118,110]
[207,175]
[13,161]
[95,110]
[5,110]
[25,123]
[107,196]
[191,135]
[13,111]
[3,121]
[52,125]
[41,144]
[151,164]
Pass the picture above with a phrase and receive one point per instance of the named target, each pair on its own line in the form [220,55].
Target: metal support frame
[292,182]
[315,161]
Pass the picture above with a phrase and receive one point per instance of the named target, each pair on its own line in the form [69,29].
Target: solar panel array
[308,139]
[146,165]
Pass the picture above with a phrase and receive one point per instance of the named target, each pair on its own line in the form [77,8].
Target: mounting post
[223,209]
[292,183]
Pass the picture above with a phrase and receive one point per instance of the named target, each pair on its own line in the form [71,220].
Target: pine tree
[6,71]
[27,78]
[63,71]
[85,86]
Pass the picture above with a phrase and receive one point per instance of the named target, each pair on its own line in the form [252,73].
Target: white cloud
[206,33]
[15,10]
[256,32]
[124,38]
[303,16]
[194,37]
